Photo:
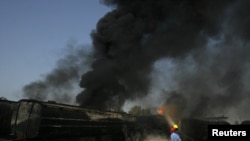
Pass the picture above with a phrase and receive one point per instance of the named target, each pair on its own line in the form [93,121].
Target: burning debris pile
[194,49]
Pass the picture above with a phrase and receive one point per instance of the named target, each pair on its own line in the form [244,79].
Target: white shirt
[175,137]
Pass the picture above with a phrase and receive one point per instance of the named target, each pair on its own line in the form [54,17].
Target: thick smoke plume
[206,40]
[62,82]
[212,78]
[128,40]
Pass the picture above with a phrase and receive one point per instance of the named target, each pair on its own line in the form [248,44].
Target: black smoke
[62,82]
[128,40]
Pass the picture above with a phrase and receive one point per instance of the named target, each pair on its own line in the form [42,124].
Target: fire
[160,111]
[169,113]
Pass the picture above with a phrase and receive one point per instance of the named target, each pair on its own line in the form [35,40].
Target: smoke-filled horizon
[196,50]
[61,84]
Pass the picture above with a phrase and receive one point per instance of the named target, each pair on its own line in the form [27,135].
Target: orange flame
[160,111]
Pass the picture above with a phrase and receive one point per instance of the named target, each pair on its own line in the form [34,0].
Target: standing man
[174,136]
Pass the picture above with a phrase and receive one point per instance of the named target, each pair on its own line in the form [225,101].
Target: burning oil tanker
[37,120]
[33,120]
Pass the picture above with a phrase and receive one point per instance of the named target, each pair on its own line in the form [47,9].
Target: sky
[33,35]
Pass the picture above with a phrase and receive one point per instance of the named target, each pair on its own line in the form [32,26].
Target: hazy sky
[34,33]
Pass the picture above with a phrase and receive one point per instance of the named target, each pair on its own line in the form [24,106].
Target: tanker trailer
[36,120]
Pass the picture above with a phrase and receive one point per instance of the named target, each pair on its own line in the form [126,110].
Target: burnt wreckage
[37,120]
[28,120]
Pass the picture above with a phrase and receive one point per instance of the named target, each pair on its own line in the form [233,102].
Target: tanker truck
[32,120]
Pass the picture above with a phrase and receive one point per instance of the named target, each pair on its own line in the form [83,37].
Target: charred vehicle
[33,120]
[37,120]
